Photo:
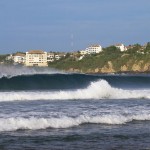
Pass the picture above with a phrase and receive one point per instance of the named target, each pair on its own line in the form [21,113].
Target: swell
[46,82]
[100,89]
[70,81]
[33,123]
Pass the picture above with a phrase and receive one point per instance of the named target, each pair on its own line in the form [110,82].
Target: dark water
[73,111]
[69,81]
[132,136]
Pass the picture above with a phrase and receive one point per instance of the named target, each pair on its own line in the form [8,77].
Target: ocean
[52,110]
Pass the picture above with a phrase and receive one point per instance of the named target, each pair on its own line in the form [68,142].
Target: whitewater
[48,109]
[96,90]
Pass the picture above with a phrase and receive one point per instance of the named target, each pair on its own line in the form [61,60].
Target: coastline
[107,73]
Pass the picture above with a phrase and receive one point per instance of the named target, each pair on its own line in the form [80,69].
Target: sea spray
[12,71]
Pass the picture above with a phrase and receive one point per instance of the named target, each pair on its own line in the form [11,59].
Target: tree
[148,46]
[111,49]
[67,55]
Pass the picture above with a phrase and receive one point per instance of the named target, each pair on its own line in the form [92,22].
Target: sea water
[74,111]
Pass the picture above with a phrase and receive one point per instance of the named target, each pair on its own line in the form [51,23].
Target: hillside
[111,60]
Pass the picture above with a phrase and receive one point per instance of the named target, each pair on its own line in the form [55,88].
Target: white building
[83,52]
[19,58]
[9,57]
[93,49]
[36,58]
[50,57]
[121,47]
[59,55]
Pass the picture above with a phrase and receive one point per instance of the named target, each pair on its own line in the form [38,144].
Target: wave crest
[12,124]
[96,90]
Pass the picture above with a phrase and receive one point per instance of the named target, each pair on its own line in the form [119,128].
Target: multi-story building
[36,58]
[121,47]
[19,58]
[93,49]
[50,57]
[59,55]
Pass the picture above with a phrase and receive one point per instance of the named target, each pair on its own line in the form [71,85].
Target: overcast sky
[69,25]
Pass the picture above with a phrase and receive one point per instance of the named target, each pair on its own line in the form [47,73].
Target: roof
[119,44]
[36,52]
[19,54]
[95,45]
[49,53]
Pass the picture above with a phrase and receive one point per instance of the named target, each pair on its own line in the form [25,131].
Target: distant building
[50,57]
[59,55]
[19,58]
[36,58]
[93,49]
[9,57]
[121,47]
[83,52]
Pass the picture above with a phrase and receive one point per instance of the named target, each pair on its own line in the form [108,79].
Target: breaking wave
[24,78]
[33,123]
[96,90]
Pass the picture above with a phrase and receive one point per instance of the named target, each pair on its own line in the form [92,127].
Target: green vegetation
[110,57]
[147,49]
[3,58]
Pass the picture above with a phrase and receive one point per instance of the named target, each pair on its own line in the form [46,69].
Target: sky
[72,25]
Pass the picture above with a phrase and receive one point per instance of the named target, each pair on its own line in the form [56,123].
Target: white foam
[32,123]
[96,90]
[11,71]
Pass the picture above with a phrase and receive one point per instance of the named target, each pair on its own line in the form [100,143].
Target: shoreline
[110,73]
